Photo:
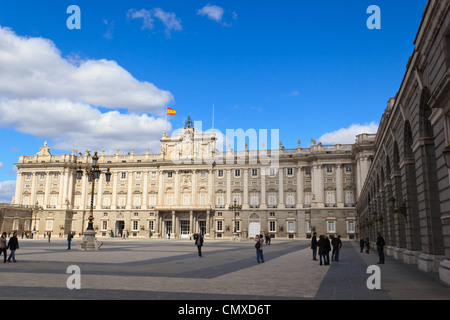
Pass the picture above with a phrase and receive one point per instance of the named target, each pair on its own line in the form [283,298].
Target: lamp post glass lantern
[93,173]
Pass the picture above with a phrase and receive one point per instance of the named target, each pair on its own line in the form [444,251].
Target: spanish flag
[171,112]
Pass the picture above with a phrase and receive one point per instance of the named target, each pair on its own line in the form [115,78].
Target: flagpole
[165,123]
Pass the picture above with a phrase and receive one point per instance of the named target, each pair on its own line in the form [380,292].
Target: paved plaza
[171,270]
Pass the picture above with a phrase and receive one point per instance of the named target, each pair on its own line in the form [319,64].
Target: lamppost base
[89,242]
[236,236]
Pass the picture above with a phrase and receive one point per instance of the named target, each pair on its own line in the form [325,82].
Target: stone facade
[190,185]
[406,195]
[15,218]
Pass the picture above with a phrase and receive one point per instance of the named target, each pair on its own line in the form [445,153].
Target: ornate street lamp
[36,209]
[93,173]
[235,207]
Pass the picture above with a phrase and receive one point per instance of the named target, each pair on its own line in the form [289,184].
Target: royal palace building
[192,187]
[406,196]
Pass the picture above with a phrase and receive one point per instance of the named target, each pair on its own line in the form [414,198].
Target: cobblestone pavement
[171,270]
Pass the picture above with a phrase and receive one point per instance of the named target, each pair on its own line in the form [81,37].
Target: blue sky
[307,68]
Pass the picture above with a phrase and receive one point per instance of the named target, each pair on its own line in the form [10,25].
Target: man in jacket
[380,248]
[337,245]
[314,246]
[199,243]
[13,245]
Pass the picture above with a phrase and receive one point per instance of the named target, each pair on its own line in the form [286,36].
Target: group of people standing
[324,246]
[12,245]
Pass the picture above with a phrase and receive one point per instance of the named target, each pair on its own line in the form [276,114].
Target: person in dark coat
[380,248]
[314,246]
[362,244]
[13,245]
[3,246]
[199,243]
[324,249]
[69,240]
[367,243]
[337,245]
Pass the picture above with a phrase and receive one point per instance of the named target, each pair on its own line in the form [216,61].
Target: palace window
[290,172]
[135,225]
[219,226]
[331,226]
[220,200]
[220,173]
[350,226]
[290,199]
[254,172]
[254,199]
[104,225]
[237,173]
[237,197]
[272,199]
[291,226]
[272,226]
[123,175]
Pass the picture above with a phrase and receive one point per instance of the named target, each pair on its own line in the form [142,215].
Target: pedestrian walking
[199,243]
[259,248]
[267,239]
[69,240]
[314,246]
[337,245]
[361,244]
[380,248]
[49,236]
[13,245]
[3,246]
[367,243]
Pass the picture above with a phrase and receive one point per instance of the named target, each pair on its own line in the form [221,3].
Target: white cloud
[7,191]
[33,68]
[51,97]
[145,15]
[215,13]
[212,12]
[169,19]
[348,135]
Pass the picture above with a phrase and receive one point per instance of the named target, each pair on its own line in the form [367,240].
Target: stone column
[194,188]
[191,222]
[339,186]
[300,195]
[145,192]
[114,192]
[130,191]
[18,193]
[174,233]
[228,203]
[263,189]
[281,188]
[245,204]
